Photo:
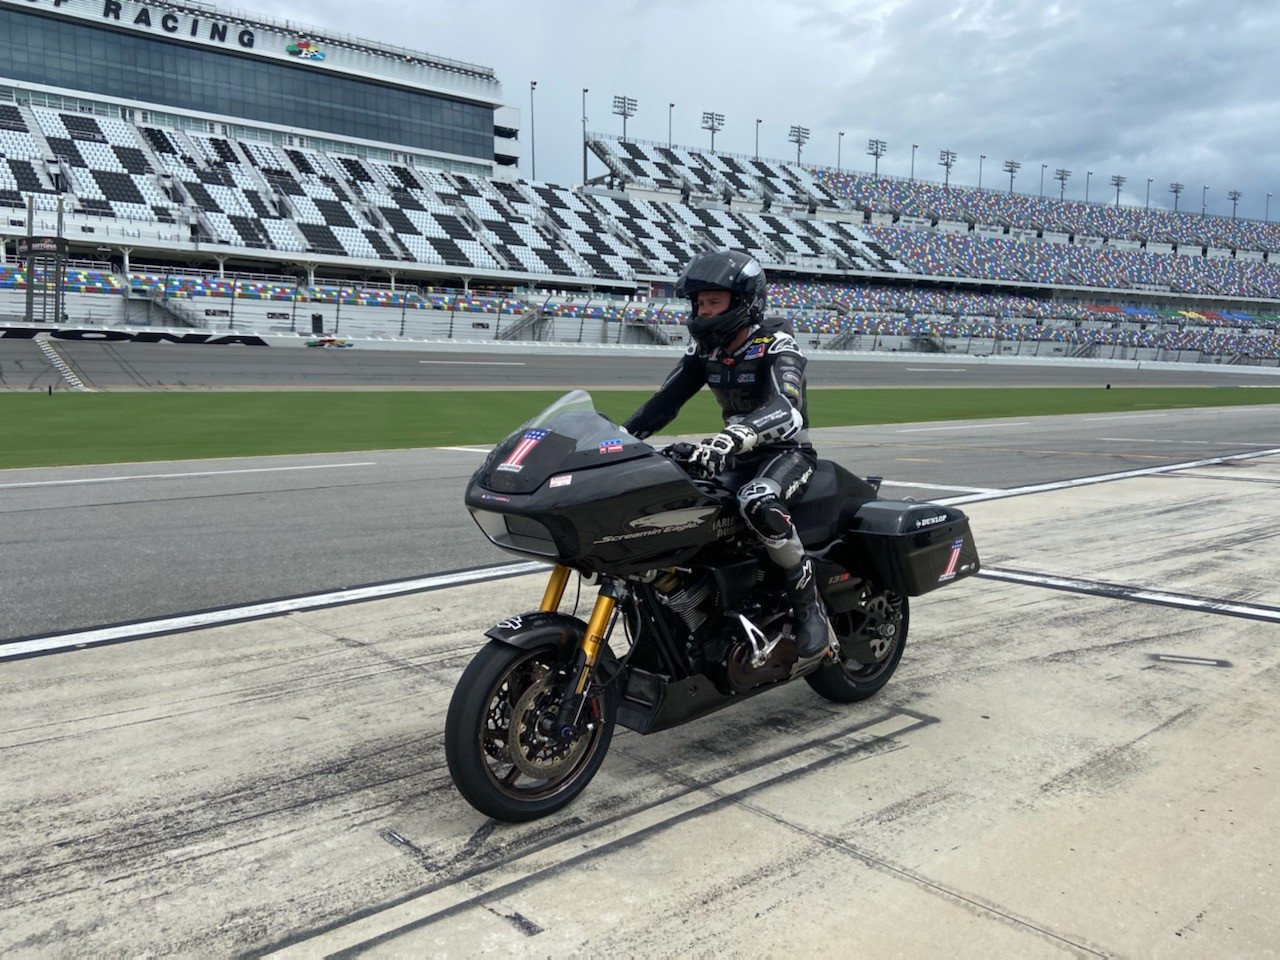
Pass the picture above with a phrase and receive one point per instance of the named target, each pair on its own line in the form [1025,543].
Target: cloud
[1168,90]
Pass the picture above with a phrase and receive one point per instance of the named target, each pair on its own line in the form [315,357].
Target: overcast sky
[1184,91]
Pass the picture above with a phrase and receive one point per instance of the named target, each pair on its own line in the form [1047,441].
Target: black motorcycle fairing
[554,489]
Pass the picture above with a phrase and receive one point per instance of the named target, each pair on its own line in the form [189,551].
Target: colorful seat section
[919,198]
[227,197]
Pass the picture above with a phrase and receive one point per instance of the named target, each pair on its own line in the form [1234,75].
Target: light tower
[1011,167]
[799,136]
[946,159]
[1176,189]
[1062,176]
[876,148]
[1118,181]
[713,122]
[624,107]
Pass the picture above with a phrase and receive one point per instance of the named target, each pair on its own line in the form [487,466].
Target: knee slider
[764,511]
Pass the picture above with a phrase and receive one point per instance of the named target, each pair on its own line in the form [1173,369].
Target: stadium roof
[334,38]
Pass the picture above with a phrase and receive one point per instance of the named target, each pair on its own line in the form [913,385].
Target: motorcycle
[703,610]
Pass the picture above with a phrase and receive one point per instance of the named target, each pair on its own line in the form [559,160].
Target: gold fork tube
[597,626]
[555,589]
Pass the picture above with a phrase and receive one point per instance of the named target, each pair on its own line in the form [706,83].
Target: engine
[689,601]
[739,649]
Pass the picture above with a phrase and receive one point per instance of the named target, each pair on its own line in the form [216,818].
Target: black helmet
[728,270]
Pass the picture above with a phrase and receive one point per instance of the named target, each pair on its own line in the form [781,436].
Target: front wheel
[872,637]
[500,733]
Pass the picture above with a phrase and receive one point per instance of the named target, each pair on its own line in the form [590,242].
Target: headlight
[515,532]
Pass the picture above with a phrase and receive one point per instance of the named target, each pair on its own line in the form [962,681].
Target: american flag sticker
[950,572]
[515,462]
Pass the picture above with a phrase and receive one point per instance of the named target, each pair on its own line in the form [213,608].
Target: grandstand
[193,204]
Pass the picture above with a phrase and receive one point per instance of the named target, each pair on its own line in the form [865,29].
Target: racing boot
[813,631]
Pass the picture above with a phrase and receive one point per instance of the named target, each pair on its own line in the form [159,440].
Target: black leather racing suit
[760,385]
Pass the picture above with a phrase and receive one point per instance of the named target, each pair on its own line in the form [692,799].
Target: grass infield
[37,430]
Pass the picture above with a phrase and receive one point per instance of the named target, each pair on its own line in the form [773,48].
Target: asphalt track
[1076,758]
[116,543]
[137,366]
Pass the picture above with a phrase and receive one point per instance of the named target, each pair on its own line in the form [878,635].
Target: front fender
[527,631]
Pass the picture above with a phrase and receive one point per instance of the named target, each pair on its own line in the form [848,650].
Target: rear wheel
[500,734]
[872,637]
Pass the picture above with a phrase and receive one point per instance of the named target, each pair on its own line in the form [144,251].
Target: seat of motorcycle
[828,503]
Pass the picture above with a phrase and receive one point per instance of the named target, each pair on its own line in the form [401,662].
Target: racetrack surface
[169,366]
[1076,757]
[113,543]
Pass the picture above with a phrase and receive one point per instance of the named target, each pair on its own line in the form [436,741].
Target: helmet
[728,270]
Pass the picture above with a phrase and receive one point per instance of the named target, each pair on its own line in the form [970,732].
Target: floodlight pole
[1147,206]
[981,157]
[533,138]
[1176,189]
[712,121]
[1062,176]
[946,160]
[1235,196]
[584,136]
[624,107]
[799,136]
[1118,181]
[758,122]
[1043,166]
[1011,167]
[876,148]
[670,108]
[913,160]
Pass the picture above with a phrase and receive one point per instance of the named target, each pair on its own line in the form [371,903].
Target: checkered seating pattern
[110,173]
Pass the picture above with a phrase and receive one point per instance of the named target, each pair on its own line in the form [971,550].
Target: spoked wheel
[501,736]
[872,637]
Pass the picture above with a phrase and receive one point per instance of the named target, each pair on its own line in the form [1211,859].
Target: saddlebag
[913,548]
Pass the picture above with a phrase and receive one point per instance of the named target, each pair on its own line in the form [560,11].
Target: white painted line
[940,486]
[1127,416]
[176,476]
[967,426]
[1108,477]
[467,449]
[479,363]
[317,601]
[935,370]
[1130,593]
[1178,658]
[1149,440]
[254,611]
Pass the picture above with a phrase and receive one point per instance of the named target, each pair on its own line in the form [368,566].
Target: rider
[756,371]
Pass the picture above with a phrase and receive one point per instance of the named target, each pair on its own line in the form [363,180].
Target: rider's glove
[712,455]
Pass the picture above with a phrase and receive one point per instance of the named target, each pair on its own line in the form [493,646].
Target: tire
[867,658]
[509,785]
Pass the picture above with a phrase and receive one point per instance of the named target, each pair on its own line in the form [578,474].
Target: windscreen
[574,416]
